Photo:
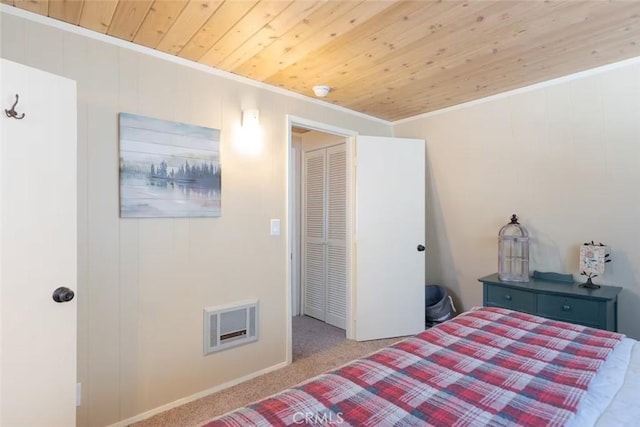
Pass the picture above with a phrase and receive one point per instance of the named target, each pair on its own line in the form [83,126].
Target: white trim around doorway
[350,136]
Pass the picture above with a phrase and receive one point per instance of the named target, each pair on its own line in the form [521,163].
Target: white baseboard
[201,394]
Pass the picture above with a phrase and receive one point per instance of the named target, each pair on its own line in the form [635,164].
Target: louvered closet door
[314,249]
[336,236]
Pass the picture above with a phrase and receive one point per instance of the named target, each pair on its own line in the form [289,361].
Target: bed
[488,366]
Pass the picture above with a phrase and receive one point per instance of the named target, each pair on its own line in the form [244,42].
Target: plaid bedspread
[488,366]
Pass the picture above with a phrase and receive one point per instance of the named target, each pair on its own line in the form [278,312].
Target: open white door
[389,227]
[38,248]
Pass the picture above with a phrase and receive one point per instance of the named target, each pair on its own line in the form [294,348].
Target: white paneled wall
[564,157]
[144,282]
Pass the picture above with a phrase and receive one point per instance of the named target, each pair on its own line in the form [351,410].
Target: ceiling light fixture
[321,91]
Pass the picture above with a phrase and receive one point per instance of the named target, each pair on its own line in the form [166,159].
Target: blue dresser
[564,301]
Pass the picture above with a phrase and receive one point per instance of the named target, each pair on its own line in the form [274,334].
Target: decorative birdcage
[513,252]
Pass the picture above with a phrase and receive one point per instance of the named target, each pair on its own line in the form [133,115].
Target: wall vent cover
[230,326]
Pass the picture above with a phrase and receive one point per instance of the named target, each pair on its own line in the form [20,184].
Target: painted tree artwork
[168,169]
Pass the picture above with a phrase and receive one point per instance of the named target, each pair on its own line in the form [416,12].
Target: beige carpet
[317,347]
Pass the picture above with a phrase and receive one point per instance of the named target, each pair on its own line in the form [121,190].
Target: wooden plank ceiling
[388,59]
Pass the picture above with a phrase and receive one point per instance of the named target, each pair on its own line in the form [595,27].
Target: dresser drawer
[576,310]
[514,299]
[556,300]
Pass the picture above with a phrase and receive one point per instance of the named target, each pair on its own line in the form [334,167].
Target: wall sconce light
[250,136]
[250,119]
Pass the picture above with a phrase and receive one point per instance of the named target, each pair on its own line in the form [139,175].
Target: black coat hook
[12,112]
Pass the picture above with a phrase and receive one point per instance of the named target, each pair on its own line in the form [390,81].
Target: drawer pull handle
[566,308]
[507,297]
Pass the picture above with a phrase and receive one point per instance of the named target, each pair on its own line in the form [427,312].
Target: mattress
[613,396]
[489,366]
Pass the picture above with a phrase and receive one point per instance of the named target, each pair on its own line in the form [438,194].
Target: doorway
[321,213]
[320,286]
[389,260]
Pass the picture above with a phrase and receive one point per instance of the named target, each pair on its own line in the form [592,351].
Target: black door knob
[420,248]
[63,294]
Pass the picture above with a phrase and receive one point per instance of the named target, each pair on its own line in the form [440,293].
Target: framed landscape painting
[168,169]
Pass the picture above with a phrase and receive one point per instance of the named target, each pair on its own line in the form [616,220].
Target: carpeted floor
[317,347]
[311,336]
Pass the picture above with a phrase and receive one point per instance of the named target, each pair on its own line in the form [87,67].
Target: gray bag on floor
[438,305]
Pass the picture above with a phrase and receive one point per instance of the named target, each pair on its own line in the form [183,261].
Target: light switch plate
[275,227]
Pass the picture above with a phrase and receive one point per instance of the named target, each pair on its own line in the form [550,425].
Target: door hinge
[78,394]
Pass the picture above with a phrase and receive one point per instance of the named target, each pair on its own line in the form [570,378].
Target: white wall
[315,140]
[565,158]
[144,282]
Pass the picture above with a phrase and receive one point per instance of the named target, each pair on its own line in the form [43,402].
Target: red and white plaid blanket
[489,366]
